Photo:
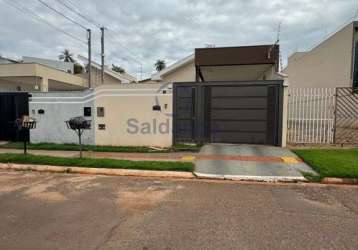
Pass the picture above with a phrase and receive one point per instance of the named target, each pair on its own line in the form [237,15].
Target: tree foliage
[160,65]
[118,69]
[66,56]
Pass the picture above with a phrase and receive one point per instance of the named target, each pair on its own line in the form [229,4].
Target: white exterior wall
[186,73]
[328,65]
[59,107]
[129,117]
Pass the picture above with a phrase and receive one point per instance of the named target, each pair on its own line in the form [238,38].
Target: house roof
[123,77]
[8,59]
[158,76]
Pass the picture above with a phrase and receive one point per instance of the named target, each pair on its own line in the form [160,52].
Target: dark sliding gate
[12,106]
[228,112]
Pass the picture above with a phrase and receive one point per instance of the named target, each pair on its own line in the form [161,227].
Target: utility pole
[89,57]
[141,72]
[102,55]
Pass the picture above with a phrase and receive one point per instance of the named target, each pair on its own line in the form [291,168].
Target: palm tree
[160,65]
[118,69]
[66,56]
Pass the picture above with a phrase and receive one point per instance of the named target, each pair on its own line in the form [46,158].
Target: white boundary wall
[129,118]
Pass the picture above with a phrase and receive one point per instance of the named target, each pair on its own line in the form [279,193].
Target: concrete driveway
[250,162]
[65,211]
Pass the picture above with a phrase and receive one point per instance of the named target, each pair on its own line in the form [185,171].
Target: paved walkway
[224,161]
[247,162]
[180,156]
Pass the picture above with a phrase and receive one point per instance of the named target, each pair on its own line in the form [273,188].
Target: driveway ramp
[249,162]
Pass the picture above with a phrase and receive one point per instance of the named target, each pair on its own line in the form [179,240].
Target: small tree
[78,69]
[118,69]
[66,56]
[160,65]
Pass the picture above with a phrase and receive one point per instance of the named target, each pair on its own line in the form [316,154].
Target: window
[100,111]
[87,111]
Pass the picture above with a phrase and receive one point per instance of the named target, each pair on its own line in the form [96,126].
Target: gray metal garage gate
[228,112]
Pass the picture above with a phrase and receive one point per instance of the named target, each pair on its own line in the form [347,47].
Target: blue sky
[144,31]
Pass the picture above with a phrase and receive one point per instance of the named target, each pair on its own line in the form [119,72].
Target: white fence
[311,115]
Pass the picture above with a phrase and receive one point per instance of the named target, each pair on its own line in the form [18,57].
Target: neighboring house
[37,74]
[110,76]
[60,65]
[332,63]
[181,71]
[37,77]
[235,64]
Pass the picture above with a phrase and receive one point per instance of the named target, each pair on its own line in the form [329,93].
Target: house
[110,76]
[38,74]
[220,95]
[33,76]
[331,63]
[181,71]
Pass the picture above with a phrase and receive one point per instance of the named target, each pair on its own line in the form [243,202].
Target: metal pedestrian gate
[346,116]
[12,106]
[228,112]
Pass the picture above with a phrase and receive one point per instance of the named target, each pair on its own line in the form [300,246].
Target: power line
[64,16]
[28,11]
[74,10]
[133,57]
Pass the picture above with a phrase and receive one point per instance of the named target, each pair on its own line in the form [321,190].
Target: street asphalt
[66,211]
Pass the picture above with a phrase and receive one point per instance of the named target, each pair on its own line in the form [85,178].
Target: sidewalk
[180,156]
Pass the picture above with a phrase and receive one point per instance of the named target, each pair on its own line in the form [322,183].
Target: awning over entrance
[237,63]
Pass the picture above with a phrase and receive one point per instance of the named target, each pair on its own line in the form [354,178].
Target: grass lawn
[125,149]
[97,163]
[331,162]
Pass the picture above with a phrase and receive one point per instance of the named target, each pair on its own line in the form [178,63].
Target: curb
[273,179]
[97,171]
[343,181]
